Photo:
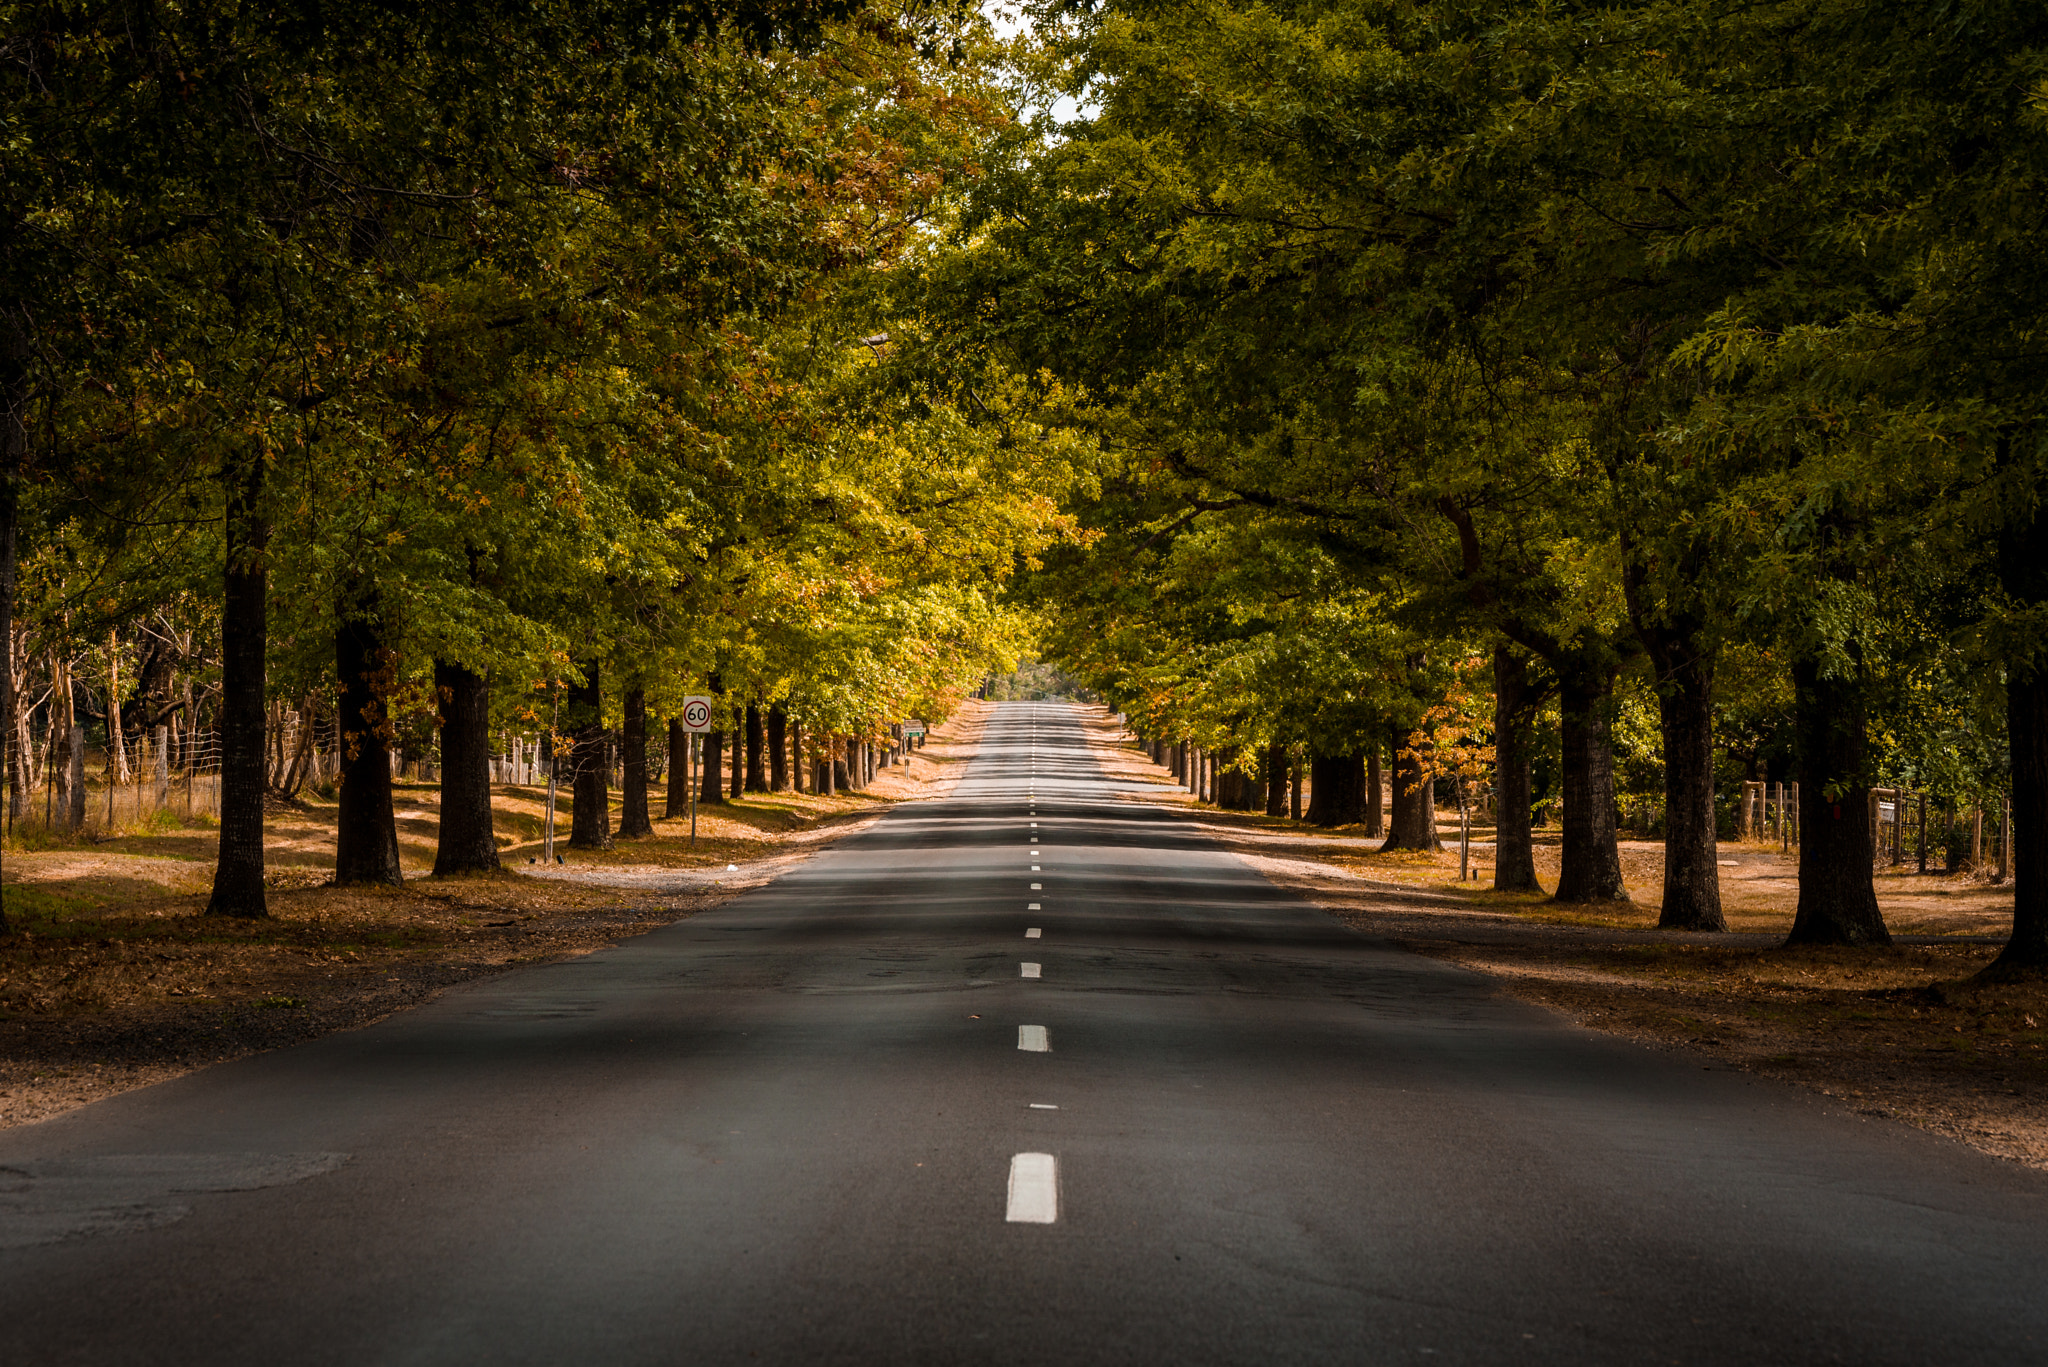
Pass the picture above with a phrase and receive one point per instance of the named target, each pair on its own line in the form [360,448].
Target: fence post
[161,765]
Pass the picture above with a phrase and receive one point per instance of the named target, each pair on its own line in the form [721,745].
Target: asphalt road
[813,1126]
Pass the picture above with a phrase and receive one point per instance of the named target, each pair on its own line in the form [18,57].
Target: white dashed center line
[1034,1190]
[1038,887]
[1033,906]
[1043,1106]
[1035,868]
[1030,970]
[1031,1039]
[1032,933]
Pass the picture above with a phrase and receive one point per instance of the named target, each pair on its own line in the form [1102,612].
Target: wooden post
[1920,820]
[161,762]
[1976,837]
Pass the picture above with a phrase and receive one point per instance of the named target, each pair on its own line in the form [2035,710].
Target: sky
[1008,18]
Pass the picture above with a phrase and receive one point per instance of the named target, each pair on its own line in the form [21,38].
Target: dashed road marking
[1031,1039]
[1034,1190]
[1043,1106]
[1032,933]
[1030,970]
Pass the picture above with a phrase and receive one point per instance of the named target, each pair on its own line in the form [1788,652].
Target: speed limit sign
[697,715]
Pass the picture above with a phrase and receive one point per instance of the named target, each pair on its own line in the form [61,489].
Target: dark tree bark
[1294,792]
[366,838]
[14,402]
[468,843]
[590,812]
[1837,899]
[678,803]
[245,639]
[738,787]
[1276,780]
[633,818]
[796,755]
[711,785]
[2023,568]
[1590,857]
[1685,707]
[757,751]
[1336,789]
[778,750]
[1375,783]
[1413,823]
[1514,740]
[17,787]
[2026,719]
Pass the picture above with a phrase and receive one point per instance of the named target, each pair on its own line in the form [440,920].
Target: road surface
[968,1090]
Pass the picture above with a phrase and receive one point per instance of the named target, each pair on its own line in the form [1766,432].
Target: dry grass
[1898,1032]
[115,979]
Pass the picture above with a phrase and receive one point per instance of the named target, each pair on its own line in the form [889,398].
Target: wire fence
[171,776]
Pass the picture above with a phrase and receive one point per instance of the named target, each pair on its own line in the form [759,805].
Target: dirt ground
[1896,1032]
[115,980]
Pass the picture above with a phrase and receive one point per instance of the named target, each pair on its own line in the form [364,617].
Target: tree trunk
[590,813]
[678,803]
[1375,783]
[2026,720]
[366,838]
[1514,741]
[633,819]
[9,728]
[245,640]
[778,750]
[1685,707]
[738,786]
[468,841]
[1276,780]
[855,778]
[711,784]
[797,768]
[1590,860]
[1336,789]
[15,353]
[2023,569]
[1413,823]
[1837,900]
[1294,792]
[757,751]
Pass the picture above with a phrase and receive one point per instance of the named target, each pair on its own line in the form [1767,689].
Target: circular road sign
[697,714]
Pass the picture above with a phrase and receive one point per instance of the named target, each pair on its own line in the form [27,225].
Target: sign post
[696,721]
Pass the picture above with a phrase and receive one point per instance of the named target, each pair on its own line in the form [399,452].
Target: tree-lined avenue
[791,1129]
